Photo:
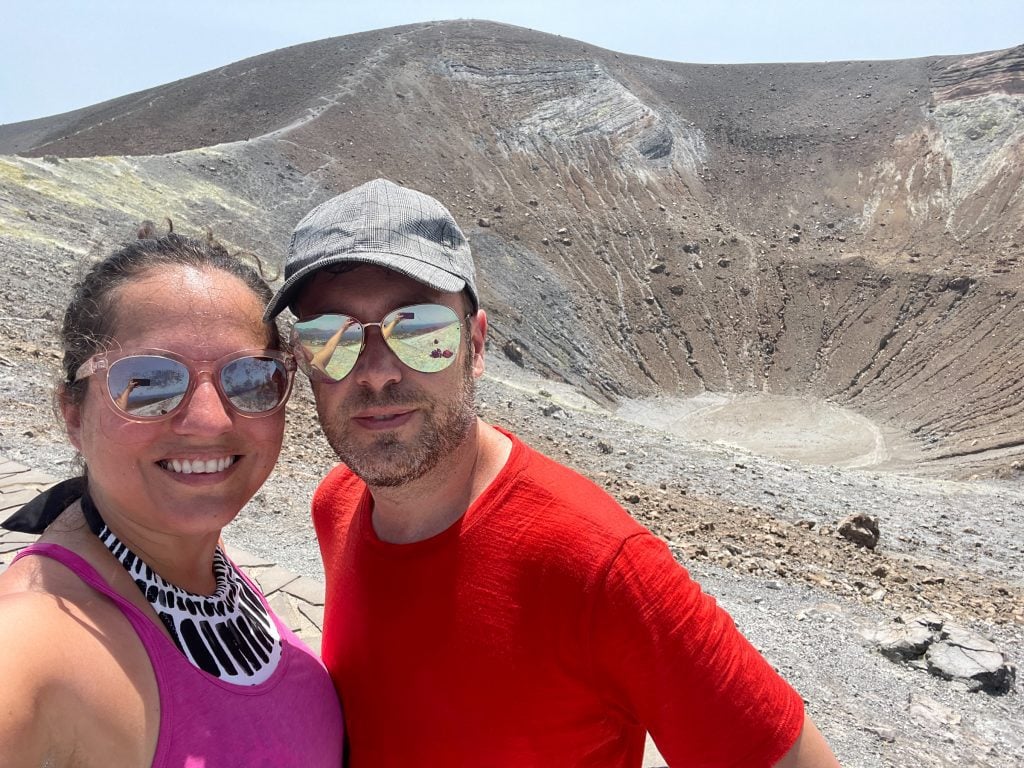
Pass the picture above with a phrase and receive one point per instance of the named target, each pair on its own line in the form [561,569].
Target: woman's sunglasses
[425,337]
[153,384]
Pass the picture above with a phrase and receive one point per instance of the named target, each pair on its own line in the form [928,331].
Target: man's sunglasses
[425,337]
[153,384]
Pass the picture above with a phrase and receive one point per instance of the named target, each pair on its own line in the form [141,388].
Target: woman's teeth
[197,466]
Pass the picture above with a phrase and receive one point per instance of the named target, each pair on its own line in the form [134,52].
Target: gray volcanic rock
[862,530]
[908,638]
[947,650]
[966,655]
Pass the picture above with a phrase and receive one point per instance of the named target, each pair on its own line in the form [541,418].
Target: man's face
[389,423]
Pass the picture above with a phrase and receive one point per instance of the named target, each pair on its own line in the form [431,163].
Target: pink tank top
[292,720]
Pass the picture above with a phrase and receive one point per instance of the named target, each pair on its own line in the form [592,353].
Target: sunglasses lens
[255,384]
[147,386]
[328,344]
[424,336]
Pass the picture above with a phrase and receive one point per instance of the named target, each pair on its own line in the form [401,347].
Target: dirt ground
[757,530]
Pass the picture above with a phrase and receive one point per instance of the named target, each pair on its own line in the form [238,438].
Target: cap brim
[427,274]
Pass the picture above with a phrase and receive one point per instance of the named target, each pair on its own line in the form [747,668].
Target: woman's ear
[72,414]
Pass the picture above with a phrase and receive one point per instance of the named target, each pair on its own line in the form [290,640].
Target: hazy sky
[58,55]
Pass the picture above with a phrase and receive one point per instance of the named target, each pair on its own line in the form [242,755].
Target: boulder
[947,650]
[861,529]
[907,639]
[965,655]
[513,351]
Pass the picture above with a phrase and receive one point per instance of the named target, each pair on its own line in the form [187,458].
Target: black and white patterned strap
[228,634]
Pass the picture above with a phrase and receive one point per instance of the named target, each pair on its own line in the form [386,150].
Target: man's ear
[72,415]
[479,335]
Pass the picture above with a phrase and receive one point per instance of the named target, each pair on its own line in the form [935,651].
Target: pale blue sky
[58,55]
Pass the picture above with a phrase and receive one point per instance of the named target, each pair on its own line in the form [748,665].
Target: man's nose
[377,365]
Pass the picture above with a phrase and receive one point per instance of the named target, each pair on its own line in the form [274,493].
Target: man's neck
[431,504]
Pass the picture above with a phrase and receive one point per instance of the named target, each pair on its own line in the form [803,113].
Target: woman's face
[136,470]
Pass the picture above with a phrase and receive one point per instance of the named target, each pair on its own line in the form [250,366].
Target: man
[485,605]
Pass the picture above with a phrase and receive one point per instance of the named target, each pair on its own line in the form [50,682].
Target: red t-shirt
[546,627]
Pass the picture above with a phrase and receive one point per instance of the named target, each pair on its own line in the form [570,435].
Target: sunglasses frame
[101,363]
[320,375]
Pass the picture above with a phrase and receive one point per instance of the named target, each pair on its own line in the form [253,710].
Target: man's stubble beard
[388,462]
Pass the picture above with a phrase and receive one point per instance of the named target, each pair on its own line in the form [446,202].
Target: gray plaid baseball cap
[384,224]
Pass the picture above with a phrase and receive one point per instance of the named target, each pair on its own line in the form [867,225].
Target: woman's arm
[26,665]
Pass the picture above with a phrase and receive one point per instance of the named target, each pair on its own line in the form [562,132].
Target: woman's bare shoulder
[39,615]
[37,575]
[51,621]
[66,660]
[36,637]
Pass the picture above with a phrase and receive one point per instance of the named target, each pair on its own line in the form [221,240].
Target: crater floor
[790,428]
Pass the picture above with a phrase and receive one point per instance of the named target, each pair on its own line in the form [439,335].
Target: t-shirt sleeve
[674,659]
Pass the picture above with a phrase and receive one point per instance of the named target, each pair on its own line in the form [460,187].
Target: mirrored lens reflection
[424,337]
[254,384]
[329,344]
[147,385]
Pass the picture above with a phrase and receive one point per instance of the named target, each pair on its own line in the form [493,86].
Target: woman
[128,638]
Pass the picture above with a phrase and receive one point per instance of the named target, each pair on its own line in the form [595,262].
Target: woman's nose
[205,412]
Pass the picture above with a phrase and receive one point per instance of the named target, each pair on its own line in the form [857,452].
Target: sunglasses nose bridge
[377,363]
[385,330]
[197,376]
[364,338]
[202,409]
